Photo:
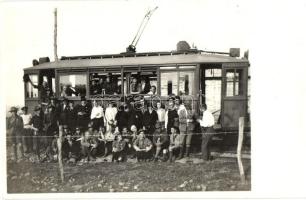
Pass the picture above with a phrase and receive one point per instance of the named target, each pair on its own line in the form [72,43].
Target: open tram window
[143,83]
[168,83]
[72,85]
[234,82]
[31,90]
[186,82]
[105,84]
[178,82]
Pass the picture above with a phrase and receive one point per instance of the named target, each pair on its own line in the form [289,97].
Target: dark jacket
[149,119]
[122,119]
[71,117]
[15,125]
[38,122]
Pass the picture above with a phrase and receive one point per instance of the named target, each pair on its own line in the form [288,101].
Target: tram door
[234,94]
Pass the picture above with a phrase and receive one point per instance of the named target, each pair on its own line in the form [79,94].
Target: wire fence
[128,135]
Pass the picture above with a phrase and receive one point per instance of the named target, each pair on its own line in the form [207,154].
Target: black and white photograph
[127,96]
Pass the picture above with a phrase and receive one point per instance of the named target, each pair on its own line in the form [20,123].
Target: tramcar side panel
[234,94]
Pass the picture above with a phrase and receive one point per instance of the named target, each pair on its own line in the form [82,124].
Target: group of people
[147,132]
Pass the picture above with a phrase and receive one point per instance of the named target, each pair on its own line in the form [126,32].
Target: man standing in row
[14,130]
[207,126]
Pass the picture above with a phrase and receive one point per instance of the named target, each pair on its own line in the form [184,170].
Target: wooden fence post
[60,158]
[239,147]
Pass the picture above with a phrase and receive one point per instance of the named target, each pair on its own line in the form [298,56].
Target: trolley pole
[55,35]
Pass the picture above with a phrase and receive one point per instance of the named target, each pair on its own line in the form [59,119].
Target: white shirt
[208,119]
[161,114]
[26,120]
[110,113]
[96,112]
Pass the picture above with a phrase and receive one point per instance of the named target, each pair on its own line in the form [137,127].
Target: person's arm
[93,113]
[107,114]
[135,145]
[166,119]
[149,147]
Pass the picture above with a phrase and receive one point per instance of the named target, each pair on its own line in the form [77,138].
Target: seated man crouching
[143,147]
[174,148]
[119,150]
[88,147]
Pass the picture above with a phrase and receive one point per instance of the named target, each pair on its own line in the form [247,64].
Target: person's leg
[138,155]
[93,153]
[24,140]
[205,146]
[20,150]
[115,156]
[158,149]
[14,146]
[84,151]
[182,143]
[36,146]
[30,140]
[188,143]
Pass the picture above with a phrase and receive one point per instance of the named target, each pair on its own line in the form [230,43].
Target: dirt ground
[220,174]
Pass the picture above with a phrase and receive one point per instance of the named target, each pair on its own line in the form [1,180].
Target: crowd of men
[147,132]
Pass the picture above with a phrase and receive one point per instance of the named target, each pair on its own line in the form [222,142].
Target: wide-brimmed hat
[37,108]
[24,108]
[13,109]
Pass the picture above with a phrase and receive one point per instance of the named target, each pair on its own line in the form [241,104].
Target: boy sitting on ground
[88,147]
[143,147]
[174,148]
[70,149]
[119,151]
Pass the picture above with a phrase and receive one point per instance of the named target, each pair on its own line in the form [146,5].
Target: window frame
[67,73]
[234,66]
[25,87]
[179,68]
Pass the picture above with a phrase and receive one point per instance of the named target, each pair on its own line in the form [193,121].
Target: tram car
[218,79]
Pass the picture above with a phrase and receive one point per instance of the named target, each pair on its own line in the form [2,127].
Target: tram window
[102,83]
[234,82]
[168,83]
[32,92]
[186,82]
[143,83]
[213,73]
[72,85]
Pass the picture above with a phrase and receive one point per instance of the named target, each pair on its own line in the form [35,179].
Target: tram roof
[154,58]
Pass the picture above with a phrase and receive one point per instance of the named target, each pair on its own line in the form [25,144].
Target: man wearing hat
[170,116]
[27,130]
[64,109]
[83,112]
[51,123]
[149,120]
[14,132]
[38,124]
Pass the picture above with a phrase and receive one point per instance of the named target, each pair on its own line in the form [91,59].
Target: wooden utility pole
[239,147]
[55,35]
[59,150]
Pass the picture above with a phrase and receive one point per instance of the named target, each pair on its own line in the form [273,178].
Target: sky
[104,27]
